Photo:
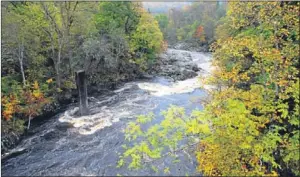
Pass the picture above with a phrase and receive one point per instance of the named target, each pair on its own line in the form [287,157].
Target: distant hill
[163,7]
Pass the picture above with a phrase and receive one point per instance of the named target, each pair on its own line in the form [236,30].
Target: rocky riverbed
[90,145]
[178,65]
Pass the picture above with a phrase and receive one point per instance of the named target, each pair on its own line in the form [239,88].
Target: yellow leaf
[35,85]
[49,80]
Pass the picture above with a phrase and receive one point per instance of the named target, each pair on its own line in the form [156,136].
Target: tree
[251,125]
[255,68]
[117,15]
[252,109]
[200,33]
[11,106]
[163,21]
[147,40]
[183,23]
[27,40]
[60,18]
[46,41]
[14,35]
[34,101]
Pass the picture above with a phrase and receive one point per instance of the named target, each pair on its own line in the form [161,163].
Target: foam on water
[185,86]
[203,61]
[129,106]
[57,149]
[105,116]
[90,123]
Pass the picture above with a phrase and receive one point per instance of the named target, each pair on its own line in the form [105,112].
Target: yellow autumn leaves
[11,104]
[254,113]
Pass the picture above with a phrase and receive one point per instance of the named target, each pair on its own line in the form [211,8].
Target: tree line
[250,125]
[193,24]
[44,43]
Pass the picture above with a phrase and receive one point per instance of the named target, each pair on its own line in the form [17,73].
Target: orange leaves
[283,83]
[200,33]
[32,100]
[10,105]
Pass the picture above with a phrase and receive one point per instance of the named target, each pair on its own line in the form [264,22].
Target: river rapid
[90,145]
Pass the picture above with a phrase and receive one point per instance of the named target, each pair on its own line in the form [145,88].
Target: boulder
[186,74]
[195,68]
[177,64]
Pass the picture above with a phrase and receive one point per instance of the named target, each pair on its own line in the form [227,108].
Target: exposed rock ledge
[176,65]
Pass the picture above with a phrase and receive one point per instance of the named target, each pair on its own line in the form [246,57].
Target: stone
[195,68]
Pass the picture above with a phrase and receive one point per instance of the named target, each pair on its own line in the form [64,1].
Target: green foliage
[183,23]
[117,15]
[28,102]
[251,125]
[256,79]
[13,125]
[147,40]
[45,42]
[155,169]
[167,171]
[163,21]
[9,85]
[149,144]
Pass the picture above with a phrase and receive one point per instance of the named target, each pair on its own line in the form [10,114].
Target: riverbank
[171,65]
[89,145]
[190,46]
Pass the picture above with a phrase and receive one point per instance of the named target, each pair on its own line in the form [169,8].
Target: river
[92,144]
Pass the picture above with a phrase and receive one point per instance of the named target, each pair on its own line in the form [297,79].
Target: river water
[90,145]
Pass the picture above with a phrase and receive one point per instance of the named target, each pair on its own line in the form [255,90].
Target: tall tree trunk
[67,25]
[53,55]
[70,61]
[69,53]
[58,76]
[126,23]
[28,125]
[21,57]
[275,62]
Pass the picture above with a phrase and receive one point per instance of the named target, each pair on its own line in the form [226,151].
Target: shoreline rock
[176,65]
[190,47]
[172,65]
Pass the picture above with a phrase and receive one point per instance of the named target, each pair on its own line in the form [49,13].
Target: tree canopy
[44,43]
[250,126]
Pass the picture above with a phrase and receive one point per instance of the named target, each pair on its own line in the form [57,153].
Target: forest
[194,24]
[249,124]
[44,43]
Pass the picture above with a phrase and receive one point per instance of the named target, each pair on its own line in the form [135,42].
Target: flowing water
[90,145]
